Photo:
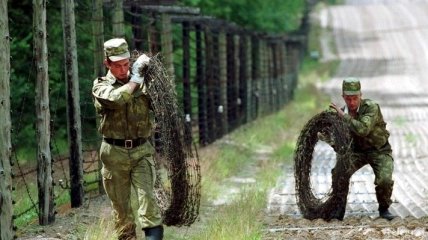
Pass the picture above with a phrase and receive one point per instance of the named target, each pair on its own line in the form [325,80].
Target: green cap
[116,49]
[351,86]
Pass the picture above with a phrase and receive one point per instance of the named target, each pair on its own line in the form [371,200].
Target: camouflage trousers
[124,169]
[382,164]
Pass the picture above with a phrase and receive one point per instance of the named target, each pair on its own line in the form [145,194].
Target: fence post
[209,81]
[187,97]
[243,79]
[166,44]
[98,37]
[249,78]
[217,90]
[255,75]
[137,30]
[118,19]
[99,69]
[73,104]
[44,157]
[6,207]
[264,77]
[222,62]
[200,81]
[231,81]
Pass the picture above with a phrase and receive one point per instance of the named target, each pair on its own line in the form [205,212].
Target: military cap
[116,49]
[351,86]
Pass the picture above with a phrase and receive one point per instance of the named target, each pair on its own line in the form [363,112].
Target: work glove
[141,63]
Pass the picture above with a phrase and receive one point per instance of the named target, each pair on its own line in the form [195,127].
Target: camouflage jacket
[122,115]
[368,128]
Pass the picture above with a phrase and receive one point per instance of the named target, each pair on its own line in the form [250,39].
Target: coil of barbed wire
[178,182]
[334,203]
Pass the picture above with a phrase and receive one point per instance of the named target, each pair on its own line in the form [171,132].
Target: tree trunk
[44,158]
[73,104]
[118,19]
[6,207]
[99,69]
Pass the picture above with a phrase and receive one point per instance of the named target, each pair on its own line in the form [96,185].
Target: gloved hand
[141,62]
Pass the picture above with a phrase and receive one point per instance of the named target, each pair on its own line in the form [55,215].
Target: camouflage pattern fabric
[368,129]
[123,116]
[383,165]
[351,86]
[123,167]
[371,146]
[116,49]
[126,116]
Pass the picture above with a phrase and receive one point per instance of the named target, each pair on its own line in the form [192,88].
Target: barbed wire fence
[225,76]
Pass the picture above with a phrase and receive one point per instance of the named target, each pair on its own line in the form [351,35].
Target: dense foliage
[274,16]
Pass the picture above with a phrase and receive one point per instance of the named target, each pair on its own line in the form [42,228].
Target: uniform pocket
[107,175]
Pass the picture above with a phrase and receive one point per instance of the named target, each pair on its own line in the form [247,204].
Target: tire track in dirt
[384,44]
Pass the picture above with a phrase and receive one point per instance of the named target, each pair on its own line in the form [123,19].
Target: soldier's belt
[126,143]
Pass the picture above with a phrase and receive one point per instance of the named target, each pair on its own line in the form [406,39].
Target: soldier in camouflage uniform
[121,101]
[370,140]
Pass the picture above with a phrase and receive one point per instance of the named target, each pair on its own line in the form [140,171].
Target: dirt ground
[383,42]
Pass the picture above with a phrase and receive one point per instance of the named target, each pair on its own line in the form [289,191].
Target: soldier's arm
[365,123]
[109,97]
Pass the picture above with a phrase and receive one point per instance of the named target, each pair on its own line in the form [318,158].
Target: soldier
[370,140]
[121,100]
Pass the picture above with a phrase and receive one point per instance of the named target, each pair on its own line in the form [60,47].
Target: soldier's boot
[384,213]
[154,233]
[383,195]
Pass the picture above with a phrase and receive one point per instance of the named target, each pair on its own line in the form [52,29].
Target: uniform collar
[112,79]
[346,110]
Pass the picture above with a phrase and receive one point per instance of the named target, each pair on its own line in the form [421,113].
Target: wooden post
[200,81]
[270,77]
[153,34]
[263,76]
[6,207]
[44,157]
[222,62]
[187,97]
[137,31]
[282,70]
[73,104]
[118,19]
[99,68]
[232,101]
[217,90]
[255,56]
[166,44]
[243,78]
[98,37]
[248,80]
[209,77]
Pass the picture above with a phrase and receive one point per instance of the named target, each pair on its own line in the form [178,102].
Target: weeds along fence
[225,76]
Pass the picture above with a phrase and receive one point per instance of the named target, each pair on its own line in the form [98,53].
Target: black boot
[384,213]
[154,233]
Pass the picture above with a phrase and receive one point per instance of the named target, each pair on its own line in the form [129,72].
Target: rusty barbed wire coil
[178,185]
[333,205]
